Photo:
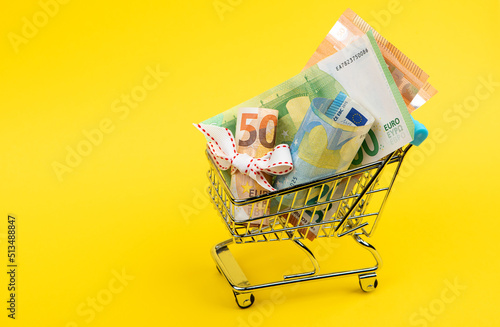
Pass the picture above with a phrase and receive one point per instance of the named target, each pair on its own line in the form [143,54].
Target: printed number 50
[262,130]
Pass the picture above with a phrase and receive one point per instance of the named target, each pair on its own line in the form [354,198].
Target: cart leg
[228,266]
[244,300]
[370,248]
[368,282]
[311,257]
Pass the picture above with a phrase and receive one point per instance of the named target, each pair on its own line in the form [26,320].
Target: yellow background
[135,205]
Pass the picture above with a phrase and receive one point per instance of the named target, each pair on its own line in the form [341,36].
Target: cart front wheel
[244,300]
[368,282]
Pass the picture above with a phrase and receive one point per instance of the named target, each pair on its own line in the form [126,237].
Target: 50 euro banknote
[255,135]
[410,79]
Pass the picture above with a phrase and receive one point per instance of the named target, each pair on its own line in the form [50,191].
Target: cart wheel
[244,300]
[368,282]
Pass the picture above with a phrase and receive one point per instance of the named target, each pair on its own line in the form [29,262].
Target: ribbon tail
[262,181]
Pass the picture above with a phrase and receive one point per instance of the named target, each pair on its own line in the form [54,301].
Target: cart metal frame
[355,214]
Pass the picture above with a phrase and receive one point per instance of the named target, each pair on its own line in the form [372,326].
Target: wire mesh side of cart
[347,203]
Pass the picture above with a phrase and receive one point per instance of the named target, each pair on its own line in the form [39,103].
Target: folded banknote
[327,140]
[255,136]
[325,144]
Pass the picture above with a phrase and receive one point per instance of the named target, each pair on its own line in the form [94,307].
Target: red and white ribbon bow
[222,147]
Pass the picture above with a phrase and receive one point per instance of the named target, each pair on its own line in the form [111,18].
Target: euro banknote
[255,135]
[410,79]
[325,144]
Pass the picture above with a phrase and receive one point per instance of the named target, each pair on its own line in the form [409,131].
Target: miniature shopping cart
[351,208]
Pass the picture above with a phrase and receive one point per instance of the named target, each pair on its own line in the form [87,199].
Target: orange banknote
[255,135]
[410,79]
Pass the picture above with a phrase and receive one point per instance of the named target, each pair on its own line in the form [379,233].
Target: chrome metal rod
[352,230]
[365,189]
[238,281]
[370,249]
[311,257]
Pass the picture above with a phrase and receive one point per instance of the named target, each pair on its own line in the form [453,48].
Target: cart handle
[420,133]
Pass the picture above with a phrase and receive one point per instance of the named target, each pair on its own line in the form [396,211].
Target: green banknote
[291,98]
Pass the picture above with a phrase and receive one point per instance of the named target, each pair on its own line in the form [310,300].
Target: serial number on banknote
[352,59]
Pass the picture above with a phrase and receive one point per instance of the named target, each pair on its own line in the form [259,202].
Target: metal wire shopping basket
[351,207]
